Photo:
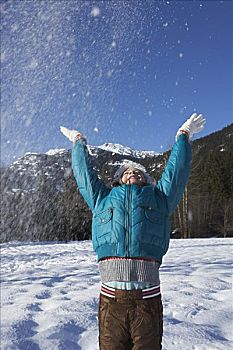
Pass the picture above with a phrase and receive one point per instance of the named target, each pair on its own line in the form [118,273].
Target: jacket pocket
[151,228]
[153,215]
[103,217]
[102,229]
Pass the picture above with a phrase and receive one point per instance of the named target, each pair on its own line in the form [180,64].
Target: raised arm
[90,186]
[175,176]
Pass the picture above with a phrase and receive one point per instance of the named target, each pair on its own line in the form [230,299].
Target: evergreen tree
[74,215]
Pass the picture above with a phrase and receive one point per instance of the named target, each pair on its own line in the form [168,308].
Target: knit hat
[118,174]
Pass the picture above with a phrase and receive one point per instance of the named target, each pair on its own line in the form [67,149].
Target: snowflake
[95,12]
[113,43]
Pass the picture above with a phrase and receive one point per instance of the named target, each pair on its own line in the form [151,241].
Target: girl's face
[133,176]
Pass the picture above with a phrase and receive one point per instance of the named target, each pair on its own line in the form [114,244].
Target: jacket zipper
[127,238]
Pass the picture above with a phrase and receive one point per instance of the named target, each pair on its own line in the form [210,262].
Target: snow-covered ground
[50,293]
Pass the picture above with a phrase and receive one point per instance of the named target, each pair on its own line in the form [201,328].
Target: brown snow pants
[129,323]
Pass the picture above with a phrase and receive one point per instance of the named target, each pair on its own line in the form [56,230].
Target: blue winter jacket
[130,220]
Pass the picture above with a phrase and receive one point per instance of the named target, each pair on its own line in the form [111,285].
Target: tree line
[206,208]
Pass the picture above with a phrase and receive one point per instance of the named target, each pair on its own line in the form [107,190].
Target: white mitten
[192,125]
[72,135]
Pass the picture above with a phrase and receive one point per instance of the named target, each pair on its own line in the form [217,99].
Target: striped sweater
[143,271]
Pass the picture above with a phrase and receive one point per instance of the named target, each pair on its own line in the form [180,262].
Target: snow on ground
[49,296]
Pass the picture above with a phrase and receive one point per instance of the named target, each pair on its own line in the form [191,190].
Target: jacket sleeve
[90,186]
[176,173]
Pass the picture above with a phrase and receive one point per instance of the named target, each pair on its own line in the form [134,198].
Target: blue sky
[128,72]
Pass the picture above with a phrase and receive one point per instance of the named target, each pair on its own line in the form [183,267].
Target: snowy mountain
[127,151]
[39,191]
[26,172]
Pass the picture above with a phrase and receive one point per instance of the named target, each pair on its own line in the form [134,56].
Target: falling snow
[113,44]
[95,12]
[82,63]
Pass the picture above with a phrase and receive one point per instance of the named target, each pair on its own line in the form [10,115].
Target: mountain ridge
[120,148]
